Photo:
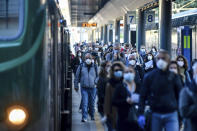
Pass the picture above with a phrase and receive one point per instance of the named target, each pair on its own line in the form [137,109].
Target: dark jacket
[140,71]
[101,86]
[161,89]
[74,64]
[188,106]
[139,75]
[188,78]
[109,109]
[119,101]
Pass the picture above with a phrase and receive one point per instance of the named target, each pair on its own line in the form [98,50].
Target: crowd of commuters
[136,90]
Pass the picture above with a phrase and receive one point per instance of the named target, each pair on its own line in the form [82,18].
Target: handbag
[132,116]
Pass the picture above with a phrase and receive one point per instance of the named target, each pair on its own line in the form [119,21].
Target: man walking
[161,89]
[86,75]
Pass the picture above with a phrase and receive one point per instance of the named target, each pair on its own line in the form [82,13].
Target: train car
[35,73]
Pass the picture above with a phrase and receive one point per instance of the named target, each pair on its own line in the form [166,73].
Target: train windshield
[10,18]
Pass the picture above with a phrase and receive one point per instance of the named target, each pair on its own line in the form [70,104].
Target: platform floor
[77,125]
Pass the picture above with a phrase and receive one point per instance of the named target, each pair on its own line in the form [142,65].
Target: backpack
[81,65]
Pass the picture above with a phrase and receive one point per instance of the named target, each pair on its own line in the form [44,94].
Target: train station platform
[77,125]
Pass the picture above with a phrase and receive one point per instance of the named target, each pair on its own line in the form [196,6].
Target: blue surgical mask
[129,77]
[118,74]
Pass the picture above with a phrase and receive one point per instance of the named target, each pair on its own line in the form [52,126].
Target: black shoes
[92,119]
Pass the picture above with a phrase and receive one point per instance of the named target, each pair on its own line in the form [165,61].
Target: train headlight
[17,116]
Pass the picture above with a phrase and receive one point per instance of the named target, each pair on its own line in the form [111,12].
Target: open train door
[186,43]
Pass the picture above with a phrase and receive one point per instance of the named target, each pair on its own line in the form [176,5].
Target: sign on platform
[111,26]
[131,17]
[89,24]
[150,17]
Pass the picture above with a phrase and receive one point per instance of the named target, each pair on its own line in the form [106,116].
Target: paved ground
[77,125]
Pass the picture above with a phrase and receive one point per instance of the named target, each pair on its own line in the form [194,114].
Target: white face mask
[135,54]
[92,61]
[88,61]
[96,49]
[180,63]
[143,50]
[161,64]
[173,70]
[150,57]
[79,54]
[129,77]
[132,62]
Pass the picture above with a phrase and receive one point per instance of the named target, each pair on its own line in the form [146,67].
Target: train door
[186,43]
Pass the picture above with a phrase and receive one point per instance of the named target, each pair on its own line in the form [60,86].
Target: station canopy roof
[83,10]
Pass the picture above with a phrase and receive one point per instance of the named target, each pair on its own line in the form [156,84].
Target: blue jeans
[168,121]
[88,102]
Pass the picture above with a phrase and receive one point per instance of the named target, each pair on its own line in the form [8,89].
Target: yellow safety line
[98,123]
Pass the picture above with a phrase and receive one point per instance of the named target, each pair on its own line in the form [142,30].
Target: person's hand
[129,100]
[135,98]
[141,121]
[146,68]
[76,89]
[104,119]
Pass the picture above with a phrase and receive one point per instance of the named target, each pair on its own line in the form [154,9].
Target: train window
[11,21]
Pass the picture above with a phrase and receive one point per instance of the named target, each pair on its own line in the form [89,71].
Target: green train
[35,72]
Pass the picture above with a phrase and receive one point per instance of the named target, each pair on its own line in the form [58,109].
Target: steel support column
[102,33]
[105,33]
[117,31]
[165,22]
[126,29]
[140,29]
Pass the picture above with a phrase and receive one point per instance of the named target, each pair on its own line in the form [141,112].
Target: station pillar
[140,29]
[105,34]
[117,31]
[102,33]
[165,22]
[126,29]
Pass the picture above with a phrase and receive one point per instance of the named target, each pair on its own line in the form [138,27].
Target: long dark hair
[185,61]
[116,63]
[174,62]
[103,72]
